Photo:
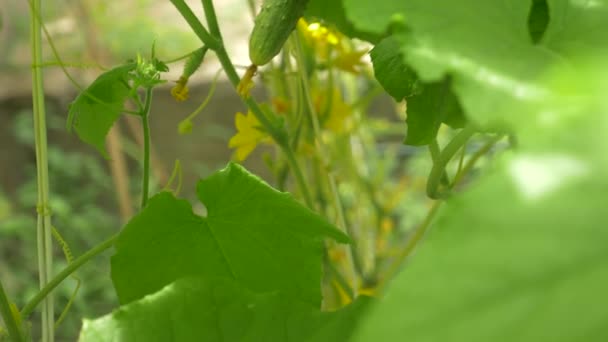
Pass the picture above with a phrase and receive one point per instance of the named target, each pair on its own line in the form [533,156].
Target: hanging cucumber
[180,91]
[273,25]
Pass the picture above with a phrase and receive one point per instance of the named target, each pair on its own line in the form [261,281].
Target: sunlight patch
[536,176]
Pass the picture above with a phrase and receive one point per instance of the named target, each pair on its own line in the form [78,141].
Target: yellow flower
[249,135]
[349,61]
[180,91]
[246,84]
[332,110]
[320,37]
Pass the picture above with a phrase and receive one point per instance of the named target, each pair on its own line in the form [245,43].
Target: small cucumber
[194,61]
[273,25]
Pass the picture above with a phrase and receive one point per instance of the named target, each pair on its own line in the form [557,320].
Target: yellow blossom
[332,110]
[246,84]
[249,135]
[349,61]
[320,37]
[180,91]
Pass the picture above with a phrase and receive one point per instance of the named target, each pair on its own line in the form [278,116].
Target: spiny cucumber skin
[273,25]
[194,62]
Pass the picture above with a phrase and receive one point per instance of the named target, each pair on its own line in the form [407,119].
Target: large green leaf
[538,19]
[95,110]
[521,256]
[219,309]
[257,235]
[486,46]
[577,27]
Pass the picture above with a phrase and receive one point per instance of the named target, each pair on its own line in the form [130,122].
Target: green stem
[337,203]
[217,46]
[295,167]
[209,10]
[435,155]
[411,244]
[434,180]
[413,241]
[196,25]
[14,331]
[66,272]
[146,127]
[44,238]
[472,161]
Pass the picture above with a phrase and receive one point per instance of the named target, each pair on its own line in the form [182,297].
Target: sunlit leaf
[259,236]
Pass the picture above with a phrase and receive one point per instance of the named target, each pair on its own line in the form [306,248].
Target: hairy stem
[14,330]
[146,128]
[66,272]
[44,238]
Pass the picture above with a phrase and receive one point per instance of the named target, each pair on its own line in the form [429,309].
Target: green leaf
[577,28]
[95,110]
[332,12]
[538,19]
[375,16]
[435,104]
[219,309]
[262,237]
[390,70]
[488,52]
[521,256]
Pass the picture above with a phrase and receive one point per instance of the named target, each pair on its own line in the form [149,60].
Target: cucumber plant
[512,246]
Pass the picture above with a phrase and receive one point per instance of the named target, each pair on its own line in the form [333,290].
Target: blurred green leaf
[94,111]
[253,233]
[521,255]
[577,28]
[538,19]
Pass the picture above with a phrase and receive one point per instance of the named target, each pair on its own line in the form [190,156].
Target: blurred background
[92,197]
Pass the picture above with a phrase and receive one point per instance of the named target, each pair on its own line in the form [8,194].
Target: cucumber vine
[308,261]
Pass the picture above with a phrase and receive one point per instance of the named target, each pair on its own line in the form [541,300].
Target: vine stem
[410,245]
[352,273]
[146,128]
[14,330]
[215,43]
[44,238]
[432,185]
[66,272]
[469,165]
[424,226]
